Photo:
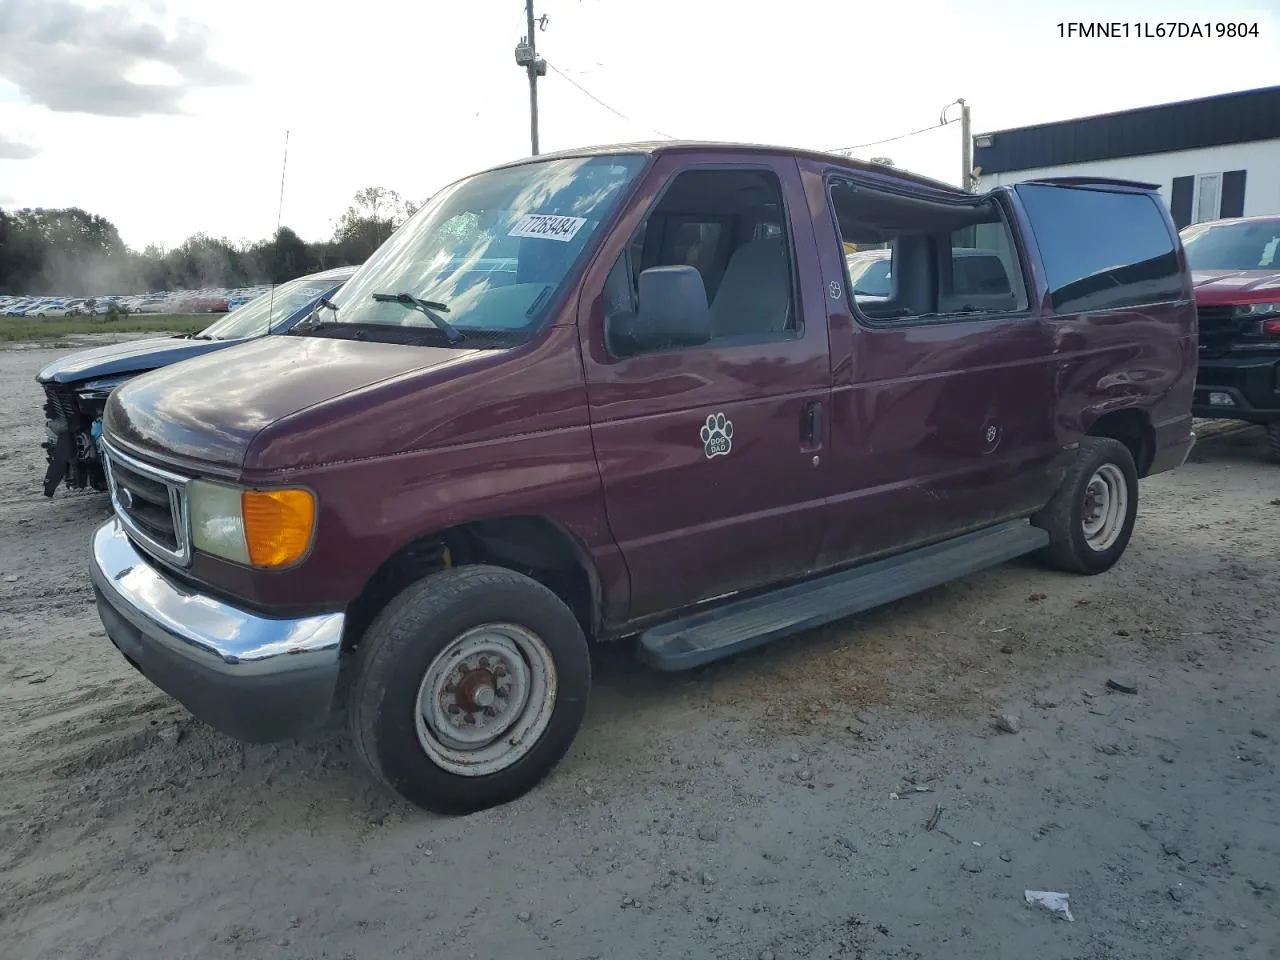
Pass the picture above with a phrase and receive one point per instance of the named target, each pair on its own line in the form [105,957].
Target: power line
[901,136]
[612,110]
[284,165]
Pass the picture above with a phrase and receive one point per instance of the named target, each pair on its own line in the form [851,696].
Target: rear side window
[1102,249]
[925,259]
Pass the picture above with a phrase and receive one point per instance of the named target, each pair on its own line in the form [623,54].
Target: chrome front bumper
[254,678]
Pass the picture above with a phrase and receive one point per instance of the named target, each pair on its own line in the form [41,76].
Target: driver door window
[728,226]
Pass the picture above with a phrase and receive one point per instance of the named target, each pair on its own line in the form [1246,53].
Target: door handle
[811,424]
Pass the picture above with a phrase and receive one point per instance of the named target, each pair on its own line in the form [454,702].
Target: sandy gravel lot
[775,806]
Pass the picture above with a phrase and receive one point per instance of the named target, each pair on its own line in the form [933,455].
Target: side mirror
[672,313]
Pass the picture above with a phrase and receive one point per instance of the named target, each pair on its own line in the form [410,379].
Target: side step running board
[742,624]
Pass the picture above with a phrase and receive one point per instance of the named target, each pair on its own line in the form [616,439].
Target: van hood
[208,410]
[132,356]
[1222,287]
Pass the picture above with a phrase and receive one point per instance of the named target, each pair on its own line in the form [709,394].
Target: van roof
[654,147]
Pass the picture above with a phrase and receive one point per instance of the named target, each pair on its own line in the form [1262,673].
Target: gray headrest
[755,293]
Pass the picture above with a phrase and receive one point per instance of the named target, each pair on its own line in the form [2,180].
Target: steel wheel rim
[486,699]
[1106,505]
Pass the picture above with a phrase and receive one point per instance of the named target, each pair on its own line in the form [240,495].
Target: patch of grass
[14,329]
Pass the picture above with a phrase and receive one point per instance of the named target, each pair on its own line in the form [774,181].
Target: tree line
[71,252]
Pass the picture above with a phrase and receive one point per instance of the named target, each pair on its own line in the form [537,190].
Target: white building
[1213,157]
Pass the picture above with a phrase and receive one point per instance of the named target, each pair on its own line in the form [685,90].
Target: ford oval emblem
[125,498]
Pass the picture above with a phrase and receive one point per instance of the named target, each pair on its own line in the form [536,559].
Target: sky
[169,117]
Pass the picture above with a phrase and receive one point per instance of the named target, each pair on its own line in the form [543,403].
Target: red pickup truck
[1235,267]
[630,393]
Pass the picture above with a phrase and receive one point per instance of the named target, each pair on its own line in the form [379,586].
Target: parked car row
[630,393]
[186,301]
[52,306]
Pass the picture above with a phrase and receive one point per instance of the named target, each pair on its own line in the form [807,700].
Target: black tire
[1063,518]
[402,643]
[1273,441]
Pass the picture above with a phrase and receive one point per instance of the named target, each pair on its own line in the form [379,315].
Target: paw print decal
[717,435]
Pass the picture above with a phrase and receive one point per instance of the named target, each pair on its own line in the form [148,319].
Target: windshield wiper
[431,308]
[312,320]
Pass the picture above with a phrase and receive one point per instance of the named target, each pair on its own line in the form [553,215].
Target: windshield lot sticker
[544,226]
[717,435]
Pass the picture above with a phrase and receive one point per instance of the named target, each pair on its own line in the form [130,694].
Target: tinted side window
[1102,250]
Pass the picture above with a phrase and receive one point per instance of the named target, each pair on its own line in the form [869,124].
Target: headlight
[1256,311]
[260,528]
[100,388]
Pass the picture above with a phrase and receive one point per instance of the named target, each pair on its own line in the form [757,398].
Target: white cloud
[11,149]
[74,57]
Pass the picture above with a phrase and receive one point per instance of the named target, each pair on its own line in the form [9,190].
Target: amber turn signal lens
[278,525]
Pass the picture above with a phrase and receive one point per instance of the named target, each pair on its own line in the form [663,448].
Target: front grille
[1216,319]
[1218,326]
[151,503]
[60,404]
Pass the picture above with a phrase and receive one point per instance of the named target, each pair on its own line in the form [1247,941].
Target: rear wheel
[1273,441]
[1091,517]
[469,688]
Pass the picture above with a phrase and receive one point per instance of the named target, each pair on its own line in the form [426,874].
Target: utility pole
[535,66]
[966,143]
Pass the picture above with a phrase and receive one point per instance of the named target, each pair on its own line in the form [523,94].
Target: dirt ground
[778,805]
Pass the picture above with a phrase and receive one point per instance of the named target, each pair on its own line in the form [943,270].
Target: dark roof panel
[1241,117]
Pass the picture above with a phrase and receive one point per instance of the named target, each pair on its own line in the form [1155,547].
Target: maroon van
[629,392]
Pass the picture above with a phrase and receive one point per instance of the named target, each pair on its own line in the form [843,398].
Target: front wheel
[1091,517]
[469,687]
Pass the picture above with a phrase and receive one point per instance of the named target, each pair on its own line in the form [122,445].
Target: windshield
[251,320]
[1234,246]
[871,277]
[492,249]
